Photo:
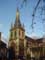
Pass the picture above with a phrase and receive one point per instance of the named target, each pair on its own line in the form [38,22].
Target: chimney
[0,35]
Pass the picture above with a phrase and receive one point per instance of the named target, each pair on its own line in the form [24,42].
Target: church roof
[29,39]
[40,40]
[33,40]
[2,44]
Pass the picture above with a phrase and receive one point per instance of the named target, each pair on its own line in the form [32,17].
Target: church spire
[17,14]
[17,21]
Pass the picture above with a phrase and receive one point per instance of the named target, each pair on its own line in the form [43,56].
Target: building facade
[3,49]
[17,36]
[23,45]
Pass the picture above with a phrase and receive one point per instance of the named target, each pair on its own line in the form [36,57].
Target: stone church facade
[17,36]
[24,47]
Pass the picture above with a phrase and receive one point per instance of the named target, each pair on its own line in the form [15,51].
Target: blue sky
[8,15]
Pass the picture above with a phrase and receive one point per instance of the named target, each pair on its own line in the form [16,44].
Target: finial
[11,25]
[17,14]
[17,9]
[23,25]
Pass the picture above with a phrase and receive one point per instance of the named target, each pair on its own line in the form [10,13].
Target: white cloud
[34,35]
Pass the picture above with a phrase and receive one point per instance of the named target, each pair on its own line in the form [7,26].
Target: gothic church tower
[17,35]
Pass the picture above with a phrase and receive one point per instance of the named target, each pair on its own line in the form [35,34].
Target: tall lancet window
[19,32]
[11,34]
[15,34]
[22,34]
